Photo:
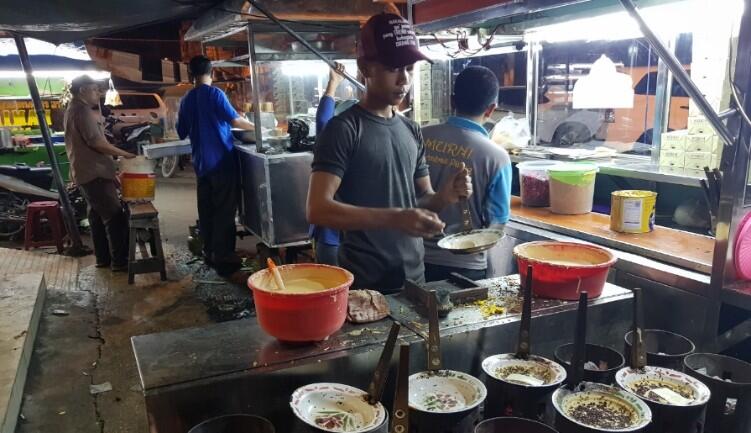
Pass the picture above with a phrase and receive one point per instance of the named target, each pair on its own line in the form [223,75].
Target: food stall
[687,278]
[660,141]
[287,81]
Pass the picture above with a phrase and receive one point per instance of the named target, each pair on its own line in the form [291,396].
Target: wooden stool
[33,237]
[144,220]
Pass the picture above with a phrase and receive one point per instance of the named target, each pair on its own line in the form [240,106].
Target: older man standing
[93,169]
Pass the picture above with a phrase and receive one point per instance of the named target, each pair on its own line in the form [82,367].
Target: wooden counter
[668,245]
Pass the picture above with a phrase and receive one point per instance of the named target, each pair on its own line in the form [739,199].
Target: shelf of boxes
[693,148]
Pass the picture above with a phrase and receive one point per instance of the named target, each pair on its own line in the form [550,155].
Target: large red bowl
[301,317]
[560,270]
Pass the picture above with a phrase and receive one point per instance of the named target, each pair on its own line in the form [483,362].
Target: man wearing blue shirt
[462,139]
[327,240]
[207,117]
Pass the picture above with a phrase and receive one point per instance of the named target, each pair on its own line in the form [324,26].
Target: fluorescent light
[66,75]
[666,20]
[298,68]
[37,47]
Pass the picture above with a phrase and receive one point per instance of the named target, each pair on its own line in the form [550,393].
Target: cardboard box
[699,125]
[674,140]
[715,162]
[717,145]
[714,98]
[699,143]
[672,170]
[698,160]
[694,173]
[672,158]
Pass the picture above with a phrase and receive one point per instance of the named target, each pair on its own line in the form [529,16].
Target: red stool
[33,235]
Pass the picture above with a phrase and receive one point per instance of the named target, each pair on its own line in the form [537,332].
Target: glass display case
[293,89]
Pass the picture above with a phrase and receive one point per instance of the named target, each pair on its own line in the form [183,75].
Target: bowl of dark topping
[598,407]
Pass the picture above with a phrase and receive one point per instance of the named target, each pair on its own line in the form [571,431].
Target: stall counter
[193,374]
[676,247]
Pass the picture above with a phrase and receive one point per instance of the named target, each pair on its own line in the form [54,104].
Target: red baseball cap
[390,40]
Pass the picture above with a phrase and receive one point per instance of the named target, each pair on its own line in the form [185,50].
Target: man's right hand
[418,222]
[128,155]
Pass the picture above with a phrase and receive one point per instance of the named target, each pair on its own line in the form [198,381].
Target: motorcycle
[20,185]
[127,136]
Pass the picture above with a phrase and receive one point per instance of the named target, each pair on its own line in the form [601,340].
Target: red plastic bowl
[558,268]
[301,317]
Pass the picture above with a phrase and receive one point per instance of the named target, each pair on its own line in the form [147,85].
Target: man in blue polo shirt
[462,139]
[207,117]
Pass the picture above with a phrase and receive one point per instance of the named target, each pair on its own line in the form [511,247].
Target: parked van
[141,107]
[559,124]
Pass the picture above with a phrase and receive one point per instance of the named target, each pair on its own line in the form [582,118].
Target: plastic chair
[34,236]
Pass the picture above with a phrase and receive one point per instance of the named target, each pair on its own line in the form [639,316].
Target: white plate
[627,376]
[445,391]
[336,408]
[471,241]
[491,365]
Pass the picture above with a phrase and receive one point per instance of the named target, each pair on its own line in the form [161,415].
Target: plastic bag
[511,133]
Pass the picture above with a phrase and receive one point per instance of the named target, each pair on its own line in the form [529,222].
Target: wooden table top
[142,210]
[689,246]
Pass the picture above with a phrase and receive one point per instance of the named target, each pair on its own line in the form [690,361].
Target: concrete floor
[91,345]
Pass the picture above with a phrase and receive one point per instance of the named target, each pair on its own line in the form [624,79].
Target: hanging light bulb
[604,87]
[112,97]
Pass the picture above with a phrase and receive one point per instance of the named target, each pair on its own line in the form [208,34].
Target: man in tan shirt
[92,168]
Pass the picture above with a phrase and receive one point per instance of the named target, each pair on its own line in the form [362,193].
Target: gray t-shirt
[447,146]
[378,161]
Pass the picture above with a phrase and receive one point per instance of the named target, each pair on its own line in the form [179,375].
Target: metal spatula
[466,215]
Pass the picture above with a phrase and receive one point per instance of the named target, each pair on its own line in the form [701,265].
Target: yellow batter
[303,285]
[302,281]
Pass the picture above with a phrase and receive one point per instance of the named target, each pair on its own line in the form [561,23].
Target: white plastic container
[572,188]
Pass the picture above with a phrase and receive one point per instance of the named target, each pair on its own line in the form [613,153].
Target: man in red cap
[373,160]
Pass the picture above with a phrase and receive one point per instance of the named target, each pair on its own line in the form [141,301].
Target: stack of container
[568,188]
[693,148]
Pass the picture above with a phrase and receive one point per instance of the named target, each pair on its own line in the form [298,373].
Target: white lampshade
[604,87]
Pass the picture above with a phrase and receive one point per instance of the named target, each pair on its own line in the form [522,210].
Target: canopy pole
[68,217]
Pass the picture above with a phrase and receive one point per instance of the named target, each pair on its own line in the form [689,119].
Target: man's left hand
[458,187]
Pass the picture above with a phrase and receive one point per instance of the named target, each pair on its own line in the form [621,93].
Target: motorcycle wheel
[168,165]
[12,215]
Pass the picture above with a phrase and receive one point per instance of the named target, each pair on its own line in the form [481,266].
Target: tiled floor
[91,344]
[61,272]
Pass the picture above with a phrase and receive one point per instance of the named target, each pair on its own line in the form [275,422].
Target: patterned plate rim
[698,386]
[558,368]
[351,391]
[457,375]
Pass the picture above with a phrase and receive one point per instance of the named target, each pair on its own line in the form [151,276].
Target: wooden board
[665,241]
